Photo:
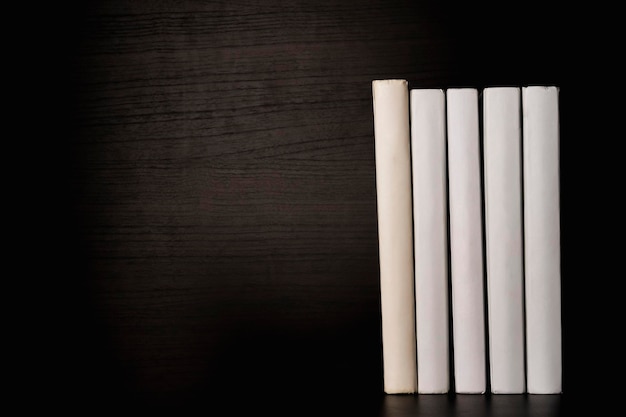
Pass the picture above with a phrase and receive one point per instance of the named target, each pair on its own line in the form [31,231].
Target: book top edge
[390,81]
[461,89]
[541,87]
[427,90]
[502,88]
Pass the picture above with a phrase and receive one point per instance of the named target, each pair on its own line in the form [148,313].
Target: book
[428,151]
[395,234]
[466,252]
[503,232]
[542,238]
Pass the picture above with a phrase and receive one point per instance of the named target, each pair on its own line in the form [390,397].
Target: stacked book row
[469,239]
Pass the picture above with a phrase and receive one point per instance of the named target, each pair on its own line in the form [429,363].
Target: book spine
[395,237]
[541,239]
[503,224]
[466,253]
[428,150]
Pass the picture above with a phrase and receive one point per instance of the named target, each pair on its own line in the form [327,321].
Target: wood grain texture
[221,184]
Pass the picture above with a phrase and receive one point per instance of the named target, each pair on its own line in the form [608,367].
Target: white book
[503,229]
[466,253]
[541,239]
[395,234]
[428,150]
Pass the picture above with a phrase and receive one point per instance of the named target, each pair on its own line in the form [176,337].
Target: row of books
[469,178]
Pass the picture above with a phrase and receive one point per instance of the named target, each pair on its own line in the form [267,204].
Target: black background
[209,233]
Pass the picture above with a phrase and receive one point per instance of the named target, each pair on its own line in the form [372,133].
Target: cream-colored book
[395,234]
[503,229]
[430,220]
[466,249]
[542,250]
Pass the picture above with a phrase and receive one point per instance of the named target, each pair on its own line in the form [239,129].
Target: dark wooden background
[215,232]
